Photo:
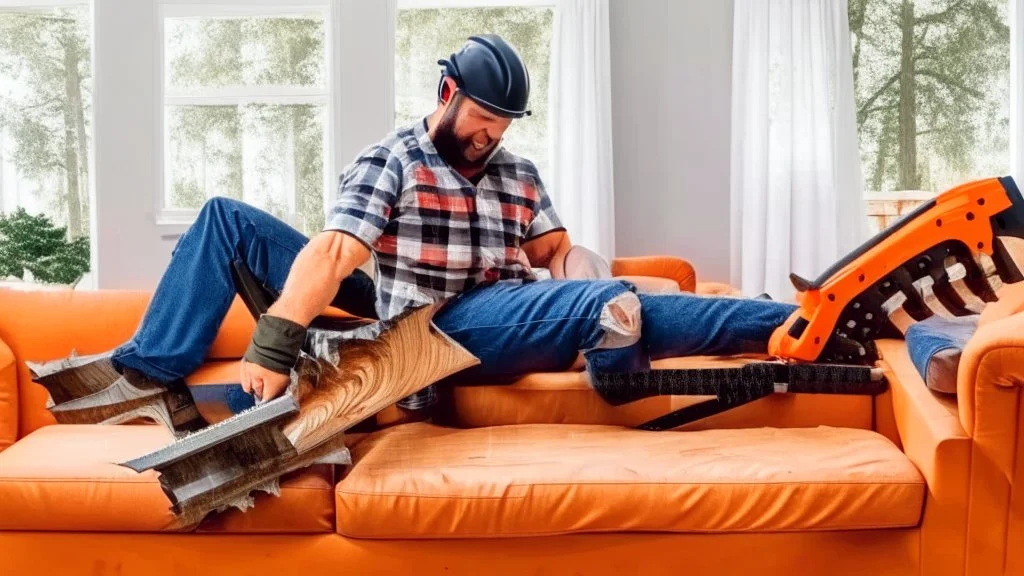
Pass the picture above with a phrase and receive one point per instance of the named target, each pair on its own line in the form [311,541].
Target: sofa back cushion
[49,325]
[8,397]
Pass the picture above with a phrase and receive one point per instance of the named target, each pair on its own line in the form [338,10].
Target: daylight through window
[45,132]
[246,109]
[932,84]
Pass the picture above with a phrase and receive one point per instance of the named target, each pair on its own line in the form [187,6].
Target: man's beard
[451,148]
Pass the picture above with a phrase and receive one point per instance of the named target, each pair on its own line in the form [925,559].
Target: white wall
[671,92]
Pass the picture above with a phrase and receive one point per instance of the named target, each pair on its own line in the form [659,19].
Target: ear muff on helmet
[441,95]
[491,73]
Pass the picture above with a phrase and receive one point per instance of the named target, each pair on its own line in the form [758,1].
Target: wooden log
[369,367]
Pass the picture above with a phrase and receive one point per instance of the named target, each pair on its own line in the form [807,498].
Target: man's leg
[691,325]
[196,290]
[541,326]
[516,329]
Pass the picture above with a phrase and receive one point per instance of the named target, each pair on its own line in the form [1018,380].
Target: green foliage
[35,244]
[425,35]
[959,63]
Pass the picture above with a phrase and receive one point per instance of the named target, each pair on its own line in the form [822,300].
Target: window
[45,97]
[246,95]
[932,84]
[426,34]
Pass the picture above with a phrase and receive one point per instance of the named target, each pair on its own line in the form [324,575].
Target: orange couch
[540,476]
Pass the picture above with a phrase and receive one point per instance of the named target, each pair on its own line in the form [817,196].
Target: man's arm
[369,189]
[315,275]
[312,283]
[548,251]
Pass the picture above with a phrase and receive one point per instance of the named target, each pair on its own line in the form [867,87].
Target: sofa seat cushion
[41,325]
[65,478]
[567,398]
[424,481]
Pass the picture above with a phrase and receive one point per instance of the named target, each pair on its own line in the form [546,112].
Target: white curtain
[580,124]
[796,190]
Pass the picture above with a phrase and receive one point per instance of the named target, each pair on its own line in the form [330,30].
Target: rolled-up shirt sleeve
[368,192]
[545,218]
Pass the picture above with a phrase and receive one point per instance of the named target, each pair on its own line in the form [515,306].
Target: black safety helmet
[491,72]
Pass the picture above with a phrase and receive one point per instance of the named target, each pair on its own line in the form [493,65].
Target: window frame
[174,221]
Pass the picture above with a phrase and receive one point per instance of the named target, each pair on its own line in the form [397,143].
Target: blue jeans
[196,290]
[512,328]
[541,326]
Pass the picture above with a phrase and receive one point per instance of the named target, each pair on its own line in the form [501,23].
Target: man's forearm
[557,262]
[548,251]
[316,274]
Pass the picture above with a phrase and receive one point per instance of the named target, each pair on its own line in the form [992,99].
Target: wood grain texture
[377,365]
[75,376]
[87,390]
[372,375]
[118,402]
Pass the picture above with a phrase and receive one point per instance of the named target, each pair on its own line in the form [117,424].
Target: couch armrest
[670,267]
[991,402]
[8,397]
[937,444]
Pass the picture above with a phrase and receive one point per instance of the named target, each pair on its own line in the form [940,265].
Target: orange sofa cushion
[65,477]
[676,269]
[48,325]
[533,480]
[8,397]
[1010,302]
[567,398]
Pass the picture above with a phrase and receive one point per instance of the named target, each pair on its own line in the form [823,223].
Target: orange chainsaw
[947,257]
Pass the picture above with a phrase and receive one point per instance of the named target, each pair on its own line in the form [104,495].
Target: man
[451,215]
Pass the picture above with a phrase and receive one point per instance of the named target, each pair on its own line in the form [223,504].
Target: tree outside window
[45,100]
[932,82]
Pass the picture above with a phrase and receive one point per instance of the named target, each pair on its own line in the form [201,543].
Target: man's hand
[312,283]
[265,384]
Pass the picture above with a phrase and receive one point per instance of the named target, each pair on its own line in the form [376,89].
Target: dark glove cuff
[276,343]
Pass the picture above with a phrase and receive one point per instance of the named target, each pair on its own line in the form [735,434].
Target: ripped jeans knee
[621,347]
[621,320]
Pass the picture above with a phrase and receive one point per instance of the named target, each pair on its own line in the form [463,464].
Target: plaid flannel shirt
[434,234]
